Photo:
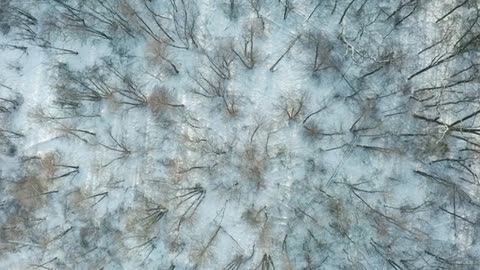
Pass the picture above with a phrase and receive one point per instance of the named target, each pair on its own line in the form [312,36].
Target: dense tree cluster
[228,134]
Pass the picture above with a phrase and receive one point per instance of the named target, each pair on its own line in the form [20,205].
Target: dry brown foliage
[30,190]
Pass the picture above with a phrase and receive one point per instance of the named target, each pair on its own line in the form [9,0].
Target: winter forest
[240,134]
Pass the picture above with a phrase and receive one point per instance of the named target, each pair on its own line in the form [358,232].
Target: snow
[326,169]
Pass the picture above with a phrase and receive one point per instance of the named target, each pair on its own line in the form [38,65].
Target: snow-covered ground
[227,134]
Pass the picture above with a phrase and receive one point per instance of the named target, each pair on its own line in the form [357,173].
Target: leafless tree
[157,54]
[248,53]
[292,104]
[321,48]
[74,88]
[290,46]
[192,197]
[232,9]
[64,124]
[118,146]
[72,17]
[10,103]
[266,263]
[160,100]
[185,19]
[221,61]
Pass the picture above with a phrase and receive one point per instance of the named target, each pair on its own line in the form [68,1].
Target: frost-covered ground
[228,134]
